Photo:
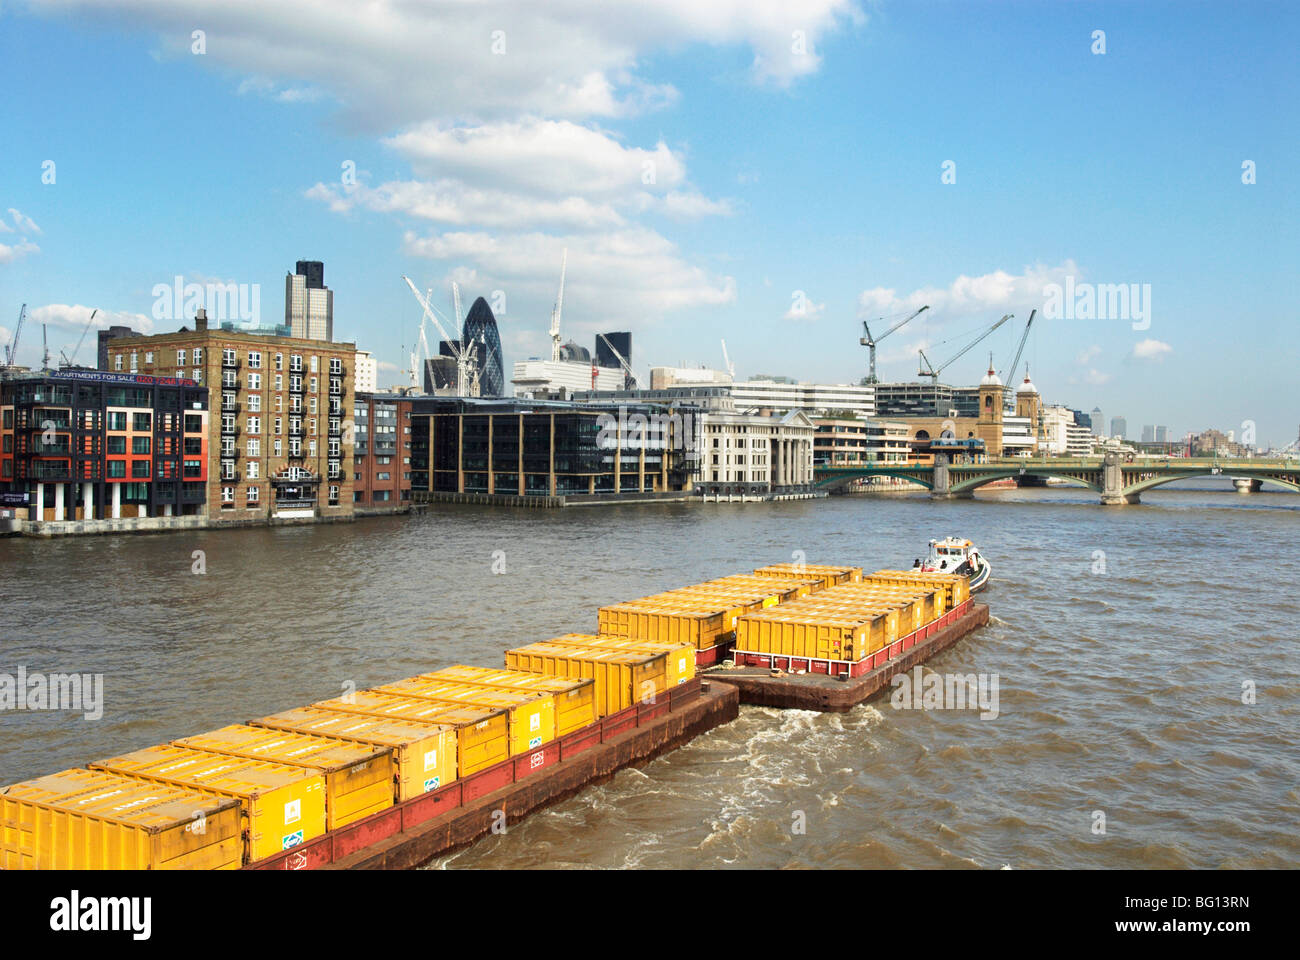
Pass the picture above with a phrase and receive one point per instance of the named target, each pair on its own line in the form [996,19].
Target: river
[1122,639]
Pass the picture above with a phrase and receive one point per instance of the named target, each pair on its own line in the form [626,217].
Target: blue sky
[775,172]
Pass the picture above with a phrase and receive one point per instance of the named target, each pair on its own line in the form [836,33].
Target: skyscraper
[1118,427]
[1098,422]
[1148,433]
[606,344]
[1162,434]
[481,330]
[308,303]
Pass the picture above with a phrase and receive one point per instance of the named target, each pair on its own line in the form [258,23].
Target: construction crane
[731,367]
[931,371]
[1009,391]
[464,354]
[870,342]
[11,351]
[64,359]
[628,375]
[556,310]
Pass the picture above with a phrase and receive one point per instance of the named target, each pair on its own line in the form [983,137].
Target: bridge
[1115,479]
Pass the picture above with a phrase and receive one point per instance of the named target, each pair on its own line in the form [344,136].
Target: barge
[395,776]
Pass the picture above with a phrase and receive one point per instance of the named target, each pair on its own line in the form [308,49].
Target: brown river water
[1120,672]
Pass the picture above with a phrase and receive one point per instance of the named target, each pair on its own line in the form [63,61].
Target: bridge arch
[838,481]
[1160,480]
[967,484]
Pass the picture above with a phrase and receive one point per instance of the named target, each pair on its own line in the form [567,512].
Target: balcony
[337,389]
[230,431]
[231,406]
[232,477]
[231,363]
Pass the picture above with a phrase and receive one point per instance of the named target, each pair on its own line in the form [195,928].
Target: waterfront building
[998,430]
[308,303]
[101,361]
[847,442]
[381,453]
[751,455]
[92,445]
[513,446]
[275,439]
[923,398]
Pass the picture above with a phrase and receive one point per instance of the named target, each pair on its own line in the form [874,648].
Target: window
[193,468]
[227,494]
[140,468]
[135,361]
[255,359]
[279,365]
[148,357]
[254,381]
[336,366]
[229,379]
[311,448]
[116,444]
[313,379]
[254,468]
[140,445]
[254,495]
[279,403]
[383,461]
[334,450]
[311,404]
[117,420]
[117,468]
[254,403]
[311,426]
[295,383]
[295,362]
[279,381]
[334,495]
[315,366]
[117,362]
[141,422]
[279,425]
[198,356]
[254,424]
[228,356]
[276,447]
[254,447]
[196,375]
[383,475]
[227,446]
[180,358]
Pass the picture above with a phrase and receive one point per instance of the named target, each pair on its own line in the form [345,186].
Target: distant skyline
[768,175]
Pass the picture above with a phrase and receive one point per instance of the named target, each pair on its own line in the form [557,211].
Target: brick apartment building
[381,453]
[276,431]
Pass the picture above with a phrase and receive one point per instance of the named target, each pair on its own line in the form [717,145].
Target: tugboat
[953,555]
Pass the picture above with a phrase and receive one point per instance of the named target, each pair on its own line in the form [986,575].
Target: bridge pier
[1247,485]
[1112,483]
[942,489]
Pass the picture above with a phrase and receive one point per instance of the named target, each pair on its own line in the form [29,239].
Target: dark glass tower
[481,329]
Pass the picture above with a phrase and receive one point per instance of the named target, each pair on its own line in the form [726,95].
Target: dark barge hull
[412,833]
[817,691]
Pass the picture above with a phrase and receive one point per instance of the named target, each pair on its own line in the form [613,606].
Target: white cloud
[10,253]
[390,62]
[804,311]
[1151,349]
[624,274]
[23,222]
[1010,293]
[1087,355]
[75,316]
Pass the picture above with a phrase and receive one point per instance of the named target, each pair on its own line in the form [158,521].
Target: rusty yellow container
[911,607]
[424,754]
[678,667]
[531,713]
[282,805]
[482,733]
[623,678]
[804,631]
[358,776]
[90,820]
[829,575]
[932,599]
[702,624]
[575,697]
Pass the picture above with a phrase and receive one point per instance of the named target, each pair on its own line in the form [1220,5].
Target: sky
[769,174]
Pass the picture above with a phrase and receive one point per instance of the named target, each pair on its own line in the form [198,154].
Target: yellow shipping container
[830,575]
[700,628]
[88,820]
[623,677]
[532,714]
[931,598]
[282,805]
[358,777]
[424,754]
[575,697]
[679,666]
[956,587]
[827,636]
[482,733]
[911,608]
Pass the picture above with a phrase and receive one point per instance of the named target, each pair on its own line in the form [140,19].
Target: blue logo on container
[292,840]
[431,784]
[535,742]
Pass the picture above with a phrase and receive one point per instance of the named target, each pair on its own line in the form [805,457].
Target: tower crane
[556,310]
[11,351]
[870,342]
[1009,390]
[731,367]
[628,375]
[464,354]
[931,371]
[65,360]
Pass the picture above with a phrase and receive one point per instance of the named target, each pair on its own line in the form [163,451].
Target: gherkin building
[481,329]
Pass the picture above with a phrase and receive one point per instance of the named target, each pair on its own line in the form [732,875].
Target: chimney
[201,319]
